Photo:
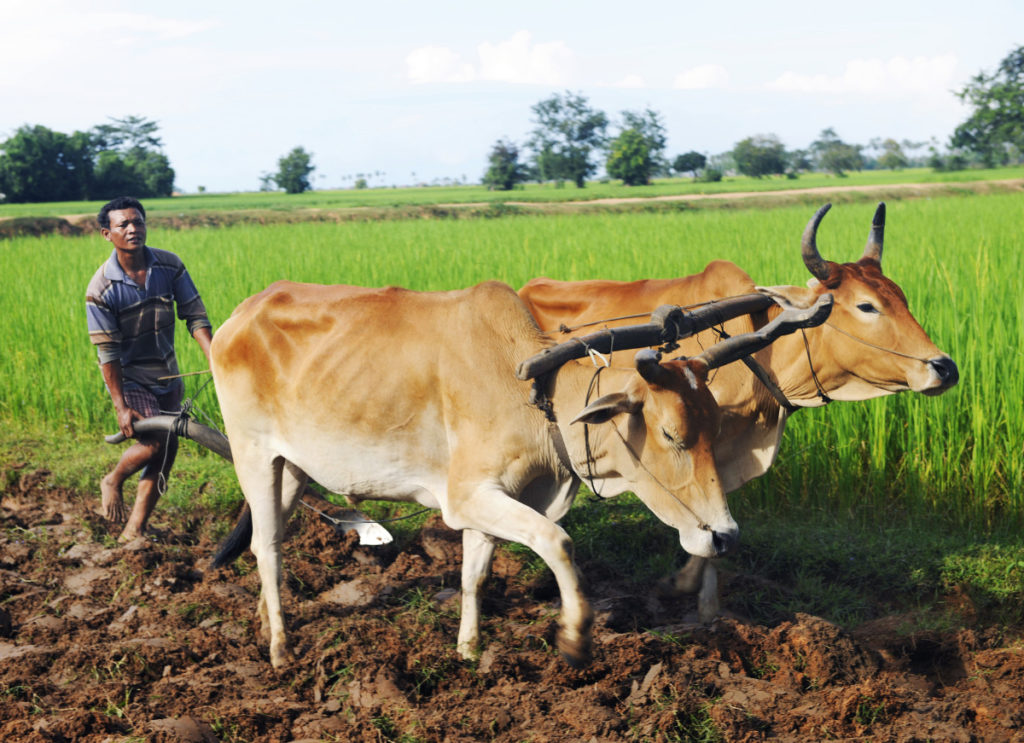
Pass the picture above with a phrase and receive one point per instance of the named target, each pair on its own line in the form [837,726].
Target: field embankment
[165,218]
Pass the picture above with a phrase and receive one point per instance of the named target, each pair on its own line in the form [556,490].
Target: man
[130,306]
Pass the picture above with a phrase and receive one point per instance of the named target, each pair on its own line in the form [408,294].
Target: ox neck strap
[594,383]
[765,378]
[539,397]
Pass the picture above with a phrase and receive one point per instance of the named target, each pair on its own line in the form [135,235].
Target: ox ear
[603,409]
[791,297]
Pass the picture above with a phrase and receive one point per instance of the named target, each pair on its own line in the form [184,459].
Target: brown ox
[402,396]
[871,345]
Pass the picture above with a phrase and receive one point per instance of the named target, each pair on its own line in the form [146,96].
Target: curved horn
[817,265]
[648,363]
[873,250]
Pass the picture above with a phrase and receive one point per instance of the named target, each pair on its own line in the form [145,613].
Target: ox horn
[873,250]
[789,321]
[817,265]
[648,363]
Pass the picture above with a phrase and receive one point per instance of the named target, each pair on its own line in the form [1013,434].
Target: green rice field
[957,457]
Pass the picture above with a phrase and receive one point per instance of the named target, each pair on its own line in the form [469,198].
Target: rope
[877,348]
[565,329]
[821,390]
[701,523]
[338,522]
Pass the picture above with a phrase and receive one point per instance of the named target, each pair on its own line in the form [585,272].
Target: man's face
[127,230]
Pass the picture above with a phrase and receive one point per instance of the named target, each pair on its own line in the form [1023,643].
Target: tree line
[124,156]
[570,142]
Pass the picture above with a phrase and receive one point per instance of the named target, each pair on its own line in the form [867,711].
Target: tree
[629,158]
[504,171]
[129,133]
[566,135]
[293,171]
[995,131]
[834,155]
[760,155]
[648,124]
[892,157]
[689,162]
[38,164]
[129,160]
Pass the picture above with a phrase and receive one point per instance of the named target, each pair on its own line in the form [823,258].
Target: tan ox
[871,345]
[402,396]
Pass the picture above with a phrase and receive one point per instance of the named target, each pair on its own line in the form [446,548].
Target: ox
[870,346]
[396,395]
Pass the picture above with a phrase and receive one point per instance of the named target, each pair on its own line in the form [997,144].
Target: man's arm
[204,338]
[112,377]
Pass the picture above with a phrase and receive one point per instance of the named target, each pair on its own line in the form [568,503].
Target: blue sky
[422,90]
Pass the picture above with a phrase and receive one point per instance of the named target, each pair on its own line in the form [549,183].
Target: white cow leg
[493,512]
[708,603]
[477,551]
[260,477]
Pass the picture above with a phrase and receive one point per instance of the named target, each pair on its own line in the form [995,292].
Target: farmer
[130,306]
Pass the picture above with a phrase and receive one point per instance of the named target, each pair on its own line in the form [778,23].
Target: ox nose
[724,541]
[945,369]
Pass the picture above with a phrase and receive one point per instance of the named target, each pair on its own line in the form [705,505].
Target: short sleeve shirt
[135,324]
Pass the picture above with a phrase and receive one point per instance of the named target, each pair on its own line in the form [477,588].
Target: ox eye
[675,441]
[868,308]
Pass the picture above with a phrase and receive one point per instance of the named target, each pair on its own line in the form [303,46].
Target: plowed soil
[144,642]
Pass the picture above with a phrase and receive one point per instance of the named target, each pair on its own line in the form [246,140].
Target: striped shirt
[135,324]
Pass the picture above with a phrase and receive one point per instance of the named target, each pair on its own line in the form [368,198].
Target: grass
[874,506]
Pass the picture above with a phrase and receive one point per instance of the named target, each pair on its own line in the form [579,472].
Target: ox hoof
[468,651]
[281,658]
[578,653]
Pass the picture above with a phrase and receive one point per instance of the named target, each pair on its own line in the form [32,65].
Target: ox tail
[235,543]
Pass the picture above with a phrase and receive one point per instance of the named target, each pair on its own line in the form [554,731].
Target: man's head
[123,223]
[121,202]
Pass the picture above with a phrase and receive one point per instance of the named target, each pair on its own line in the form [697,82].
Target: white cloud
[895,76]
[517,60]
[702,77]
[437,64]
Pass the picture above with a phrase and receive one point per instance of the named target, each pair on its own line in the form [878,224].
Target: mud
[143,642]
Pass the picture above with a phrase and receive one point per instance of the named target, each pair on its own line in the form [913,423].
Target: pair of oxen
[462,401]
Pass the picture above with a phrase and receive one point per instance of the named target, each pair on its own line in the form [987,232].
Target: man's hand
[126,418]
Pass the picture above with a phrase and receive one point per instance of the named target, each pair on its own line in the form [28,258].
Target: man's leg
[153,478]
[135,457]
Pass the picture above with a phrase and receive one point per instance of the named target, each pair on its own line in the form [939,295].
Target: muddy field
[144,642]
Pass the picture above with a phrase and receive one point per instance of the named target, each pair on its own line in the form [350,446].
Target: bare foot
[112,504]
[130,534]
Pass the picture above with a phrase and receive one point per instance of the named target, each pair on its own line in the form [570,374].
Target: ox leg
[708,605]
[477,551]
[260,476]
[688,578]
[699,575]
[493,512]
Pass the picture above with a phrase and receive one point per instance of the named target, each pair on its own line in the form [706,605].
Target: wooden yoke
[668,324]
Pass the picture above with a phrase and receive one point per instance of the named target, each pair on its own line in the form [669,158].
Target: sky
[413,92]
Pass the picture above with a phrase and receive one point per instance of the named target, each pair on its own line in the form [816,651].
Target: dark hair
[121,202]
